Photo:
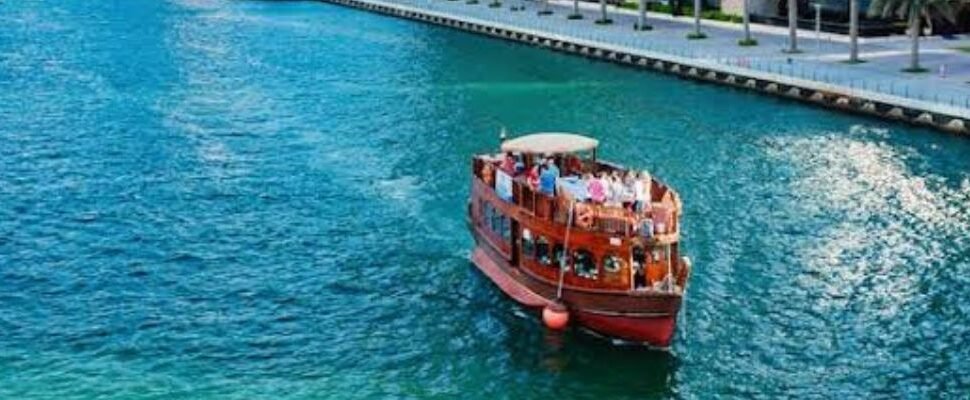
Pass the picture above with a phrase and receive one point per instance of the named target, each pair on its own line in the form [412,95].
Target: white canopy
[549,143]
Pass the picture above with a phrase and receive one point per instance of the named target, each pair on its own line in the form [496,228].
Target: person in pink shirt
[596,187]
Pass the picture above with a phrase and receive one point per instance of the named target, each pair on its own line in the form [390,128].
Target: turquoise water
[207,199]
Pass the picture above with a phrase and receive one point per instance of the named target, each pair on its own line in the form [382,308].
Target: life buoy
[584,216]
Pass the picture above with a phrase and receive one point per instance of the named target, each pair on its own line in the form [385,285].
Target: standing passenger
[629,185]
[641,191]
[547,179]
[532,178]
[551,166]
[607,187]
[617,190]
[508,164]
[596,189]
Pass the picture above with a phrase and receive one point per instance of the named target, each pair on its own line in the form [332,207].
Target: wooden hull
[646,318]
[655,331]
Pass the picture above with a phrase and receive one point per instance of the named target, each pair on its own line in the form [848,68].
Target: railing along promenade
[784,79]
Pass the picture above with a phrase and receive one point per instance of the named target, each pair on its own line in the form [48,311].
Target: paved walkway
[822,60]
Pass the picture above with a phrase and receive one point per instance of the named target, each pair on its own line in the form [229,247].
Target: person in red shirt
[532,177]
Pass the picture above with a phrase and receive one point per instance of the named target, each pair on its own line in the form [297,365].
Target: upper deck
[661,216]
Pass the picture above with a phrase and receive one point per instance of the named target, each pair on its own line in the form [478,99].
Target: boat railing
[538,204]
[601,218]
[661,218]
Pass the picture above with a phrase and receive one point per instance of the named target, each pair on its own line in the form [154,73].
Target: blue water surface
[213,199]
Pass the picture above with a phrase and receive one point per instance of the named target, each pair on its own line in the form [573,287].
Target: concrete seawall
[935,115]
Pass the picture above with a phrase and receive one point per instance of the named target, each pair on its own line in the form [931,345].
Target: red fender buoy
[555,316]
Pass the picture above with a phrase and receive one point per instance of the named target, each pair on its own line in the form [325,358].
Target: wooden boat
[609,269]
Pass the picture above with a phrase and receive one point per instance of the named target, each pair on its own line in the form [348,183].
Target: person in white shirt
[641,191]
[617,189]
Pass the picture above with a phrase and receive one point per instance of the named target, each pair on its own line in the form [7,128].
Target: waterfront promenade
[877,86]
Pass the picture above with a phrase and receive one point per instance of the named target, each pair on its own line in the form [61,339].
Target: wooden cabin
[611,250]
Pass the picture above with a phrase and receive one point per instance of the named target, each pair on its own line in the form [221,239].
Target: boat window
[507,229]
[528,245]
[584,264]
[542,251]
[496,220]
[486,214]
[558,253]
[612,263]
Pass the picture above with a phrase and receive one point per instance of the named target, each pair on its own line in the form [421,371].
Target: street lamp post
[818,28]
[793,26]
[854,31]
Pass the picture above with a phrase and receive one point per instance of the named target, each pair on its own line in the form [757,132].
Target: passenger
[508,164]
[629,185]
[574,166]
[532,178]
[551,166]
[547,179]
[617,190]
[641,192]
[607,187]
[595,188]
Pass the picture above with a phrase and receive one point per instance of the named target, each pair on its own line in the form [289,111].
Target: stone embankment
[935,115]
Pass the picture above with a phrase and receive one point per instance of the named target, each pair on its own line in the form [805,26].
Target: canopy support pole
[565,251]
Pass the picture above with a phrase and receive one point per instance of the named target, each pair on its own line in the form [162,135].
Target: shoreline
[889,107]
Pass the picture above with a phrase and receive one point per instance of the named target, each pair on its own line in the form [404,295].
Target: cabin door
[516,233]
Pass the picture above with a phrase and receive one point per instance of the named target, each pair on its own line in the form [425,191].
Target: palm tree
[642,16]
[854,31]
[575,14]
[913,11]
[792,26]
[748,40]
[604,19]
[697,34]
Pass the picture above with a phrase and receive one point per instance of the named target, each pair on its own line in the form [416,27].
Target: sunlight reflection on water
[881,214]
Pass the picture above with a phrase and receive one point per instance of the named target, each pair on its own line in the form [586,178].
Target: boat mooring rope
[565,251]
